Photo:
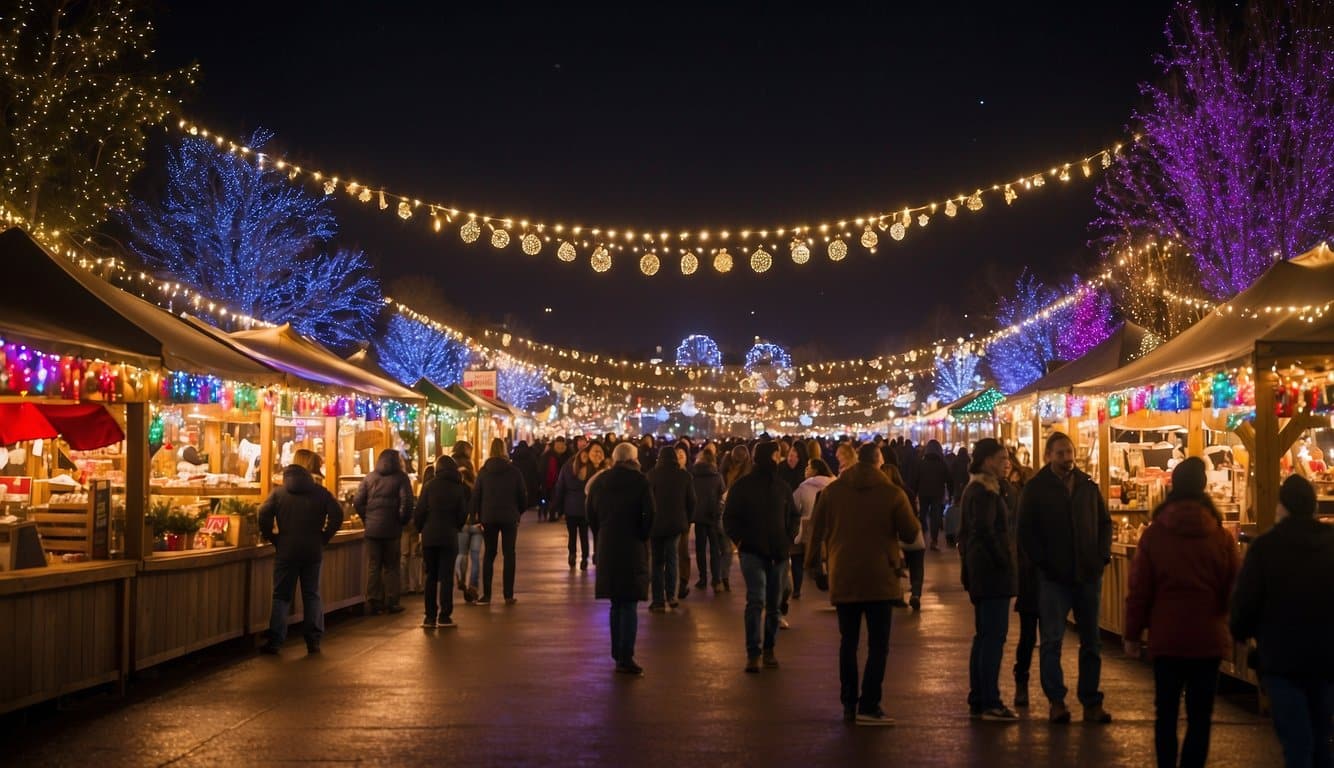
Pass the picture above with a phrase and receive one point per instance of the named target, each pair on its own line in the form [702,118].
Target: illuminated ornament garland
[760,260]
[566,252]
[689,264]
[531,244]
[649,264]
[722,261]
[601,259]
[897,231]
[404,211]
[870,238]
[951,209]
[500,238]
[470,231]
[838,250]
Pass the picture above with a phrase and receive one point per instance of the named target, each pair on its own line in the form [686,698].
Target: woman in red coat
[1180,581]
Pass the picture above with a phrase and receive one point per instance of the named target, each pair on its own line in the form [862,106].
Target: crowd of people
[856,518]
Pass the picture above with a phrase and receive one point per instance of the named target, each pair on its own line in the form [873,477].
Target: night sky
[673,116]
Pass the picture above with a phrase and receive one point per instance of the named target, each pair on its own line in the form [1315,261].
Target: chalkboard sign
[101,493]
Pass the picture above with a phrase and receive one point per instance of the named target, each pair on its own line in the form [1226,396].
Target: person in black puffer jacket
[708,484]
[673,507]
[498,500]
[441,514]
[307,516]
[384,502]
[1285,600]
[935,484]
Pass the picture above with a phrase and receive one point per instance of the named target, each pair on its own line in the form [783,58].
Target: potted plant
[155,522]
[181,528]
[246,520]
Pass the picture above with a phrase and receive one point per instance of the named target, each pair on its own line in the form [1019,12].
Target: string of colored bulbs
[691,245]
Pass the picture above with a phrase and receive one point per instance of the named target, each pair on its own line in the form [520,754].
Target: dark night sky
[674,116]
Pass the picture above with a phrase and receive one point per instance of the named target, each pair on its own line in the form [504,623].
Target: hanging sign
[481,382]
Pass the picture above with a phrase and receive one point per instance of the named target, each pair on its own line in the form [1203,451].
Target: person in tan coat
[860,521]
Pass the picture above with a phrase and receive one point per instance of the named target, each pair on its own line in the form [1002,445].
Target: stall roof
[1229,333]
[984,401]
[53,304]
[290,352]
[944,410]
[441,397]
[482,401]
[1126,344]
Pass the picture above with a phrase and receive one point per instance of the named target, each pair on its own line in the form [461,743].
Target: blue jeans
[1301,710]
[764,591]
[932,516]
[469,562]
[877,653]
[991,624]
[664,568]
[1055,602]
[285,575]
[624,629]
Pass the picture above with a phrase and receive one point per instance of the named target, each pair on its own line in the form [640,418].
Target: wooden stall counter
[63,628]
[185,601]
[342,579]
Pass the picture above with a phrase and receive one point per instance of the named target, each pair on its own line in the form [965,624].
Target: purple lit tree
[246,238]
[410,351]
[1236,158]
[1021,357]
[1086,324]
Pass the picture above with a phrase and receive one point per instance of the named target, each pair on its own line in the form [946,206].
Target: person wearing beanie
[761,518]
[1285,600]
[1180,580]
[620,512]
[861,521]
[990,574]
[1066,531]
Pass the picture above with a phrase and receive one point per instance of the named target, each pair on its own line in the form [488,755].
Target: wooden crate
[65,527]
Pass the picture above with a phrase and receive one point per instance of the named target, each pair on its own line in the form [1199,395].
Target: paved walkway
[533,684]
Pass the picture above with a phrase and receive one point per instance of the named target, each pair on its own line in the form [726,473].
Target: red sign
[481,382]
[18,489]
[215,524]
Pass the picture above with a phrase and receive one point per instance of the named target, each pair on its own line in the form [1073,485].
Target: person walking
[535,488]
[307,516]
[1285,601]
[1026,602]
[682,447]
[761,518]
[468,567]
[989,573]
[708,486]
[1180,580]
[441,513]
[569,499]
[544,479]
[620,511]
[914,553]
[673,506]
[959,476]
[935,484]
[384,500]
[498,500]
[1065,529]
[860,521]
[818,477]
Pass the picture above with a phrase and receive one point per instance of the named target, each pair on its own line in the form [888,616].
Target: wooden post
[331,454]
[1195,428]
[137,463]
[423,460]
[1105,459]
[1037,429]
[1265,461]
[265,450]
[213,446]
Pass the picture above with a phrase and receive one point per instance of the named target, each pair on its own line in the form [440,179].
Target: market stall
[447,417]
[974,417]
[494,418]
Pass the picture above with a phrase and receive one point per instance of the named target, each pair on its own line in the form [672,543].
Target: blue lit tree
[410,351]
[246,238]
[699,350]
[956,375]
[1021,357]
[519,385]
[764,354]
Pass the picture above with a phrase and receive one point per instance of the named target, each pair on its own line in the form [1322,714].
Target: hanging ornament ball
[800,252]
[897,231]
[838,250]
[404,210]
[500,238]
[365,196]
[689,264]
[649,264]
[975,201]
[566,252]
[470,231]
[718,407]
[882,391]
[760,260]
[722,261]
[870,238]
[812,386]
[951,209]
[601,259]
[530,244]
[842,399]
[505,339]
[922,220]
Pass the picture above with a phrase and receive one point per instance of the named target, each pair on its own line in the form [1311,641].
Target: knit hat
[1297,495]
[1189,478]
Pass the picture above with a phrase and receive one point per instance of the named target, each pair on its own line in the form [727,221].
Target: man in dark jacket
[1285,600]
[384,502]
[990,575]
[499,497]
[547,474]
[935,484]
[440,515]
[673,507]
[620,511]
[1066,532]
[307,516]
[708,483]
[762,519]
[526,461]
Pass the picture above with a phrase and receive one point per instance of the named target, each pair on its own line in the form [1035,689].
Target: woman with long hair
[499,498]
[468,567]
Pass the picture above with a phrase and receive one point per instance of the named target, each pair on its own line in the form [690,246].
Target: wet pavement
[532,683]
